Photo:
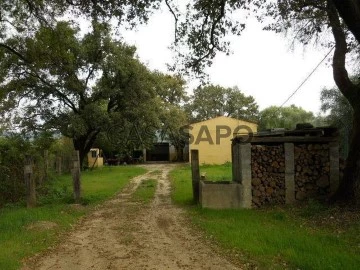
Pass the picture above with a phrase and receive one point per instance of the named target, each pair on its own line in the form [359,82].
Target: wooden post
[46,165]
[58,165]
[76,176]
[235,153]
[195,172]
[30,183]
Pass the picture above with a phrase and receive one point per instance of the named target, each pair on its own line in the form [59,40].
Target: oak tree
[80,86]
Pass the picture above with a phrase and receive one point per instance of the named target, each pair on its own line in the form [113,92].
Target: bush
[13,150]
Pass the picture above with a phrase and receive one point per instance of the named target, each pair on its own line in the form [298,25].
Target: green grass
[145,191]
[182,189]
[18,242]
[282,237]
[217,172]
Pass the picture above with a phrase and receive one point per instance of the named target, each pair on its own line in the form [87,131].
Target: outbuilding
[213,137]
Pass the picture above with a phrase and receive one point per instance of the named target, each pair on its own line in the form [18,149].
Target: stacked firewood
[312,170]
[268,174]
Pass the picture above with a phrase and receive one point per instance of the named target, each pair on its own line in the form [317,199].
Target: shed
[213,137]
[94,158]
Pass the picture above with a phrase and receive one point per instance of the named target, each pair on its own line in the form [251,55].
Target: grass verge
[310,236]
[182,192]
[145,191]
[20,236]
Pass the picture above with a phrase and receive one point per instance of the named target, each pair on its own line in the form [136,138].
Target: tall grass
[275,238]
[18,240]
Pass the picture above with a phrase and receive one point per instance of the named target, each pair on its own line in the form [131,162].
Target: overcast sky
[263,64]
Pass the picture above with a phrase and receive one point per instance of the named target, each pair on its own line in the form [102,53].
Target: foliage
[172,97]
[284,117]
[13,150]
[199,35]
[340,115]
[213,100]
[80,86]
[12,154]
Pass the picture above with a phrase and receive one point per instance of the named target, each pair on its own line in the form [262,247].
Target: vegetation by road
[24,232]
[146,191]
[309,236]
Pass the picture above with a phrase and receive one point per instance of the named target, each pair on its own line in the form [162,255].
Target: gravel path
[123,234]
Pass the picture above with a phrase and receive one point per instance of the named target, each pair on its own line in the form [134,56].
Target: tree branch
[14,52]
[175,18]
[340,73]
[212,34]
[349,11]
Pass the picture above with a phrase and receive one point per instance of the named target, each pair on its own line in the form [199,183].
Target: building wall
[92,158]
[209,138]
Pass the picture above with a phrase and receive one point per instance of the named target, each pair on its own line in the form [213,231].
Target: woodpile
[312,170]
[268,174]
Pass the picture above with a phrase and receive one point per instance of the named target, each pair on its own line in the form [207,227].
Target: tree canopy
[199,35]
[339,114]
[213,100]
[80,86]
[284,117]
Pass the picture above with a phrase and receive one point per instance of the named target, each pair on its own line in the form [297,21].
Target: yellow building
[95,159]
[213,138]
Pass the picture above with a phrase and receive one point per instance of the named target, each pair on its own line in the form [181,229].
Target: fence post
[195,172]
[29,182]
[76,176]
[46,164]
[58,165]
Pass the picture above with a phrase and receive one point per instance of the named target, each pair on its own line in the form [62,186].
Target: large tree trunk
[179,153]
[348,191]
[83,144]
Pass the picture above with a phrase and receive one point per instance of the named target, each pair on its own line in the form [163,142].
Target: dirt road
[123,234]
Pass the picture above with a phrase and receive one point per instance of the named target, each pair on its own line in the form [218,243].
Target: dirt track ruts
[123,234]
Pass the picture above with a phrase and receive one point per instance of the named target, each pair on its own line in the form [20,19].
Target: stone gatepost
[242,171]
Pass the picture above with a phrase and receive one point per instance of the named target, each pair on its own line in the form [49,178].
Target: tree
[312,18]
[340,115]
[172,97]
[207,24]
[213,100]
[284,117]
[204,29]
[80,86]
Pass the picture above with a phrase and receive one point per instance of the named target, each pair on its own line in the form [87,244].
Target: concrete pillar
[289,173]
[242,171]
[334,166]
